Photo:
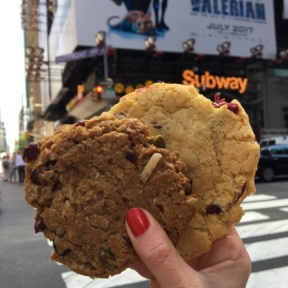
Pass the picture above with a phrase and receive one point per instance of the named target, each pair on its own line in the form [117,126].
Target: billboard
[231,27]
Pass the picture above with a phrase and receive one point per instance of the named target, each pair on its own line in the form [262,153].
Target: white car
[278,140]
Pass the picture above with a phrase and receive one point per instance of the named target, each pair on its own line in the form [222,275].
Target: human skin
[227,265]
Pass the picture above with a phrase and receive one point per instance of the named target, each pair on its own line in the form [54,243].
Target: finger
[228,263]
[141,268]
[230,247]
[157,252]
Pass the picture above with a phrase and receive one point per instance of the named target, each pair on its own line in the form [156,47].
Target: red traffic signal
[99,90]
[97,93]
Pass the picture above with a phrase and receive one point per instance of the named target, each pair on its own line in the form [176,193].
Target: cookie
[216,142]
[84,178]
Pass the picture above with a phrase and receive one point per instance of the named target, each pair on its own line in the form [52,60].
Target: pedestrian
[12,167]
[227,265]
[20,166]
[5,166]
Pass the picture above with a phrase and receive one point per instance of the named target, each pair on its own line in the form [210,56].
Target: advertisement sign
[285,9]
[230,27]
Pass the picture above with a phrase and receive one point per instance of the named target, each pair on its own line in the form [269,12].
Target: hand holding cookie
[227,265]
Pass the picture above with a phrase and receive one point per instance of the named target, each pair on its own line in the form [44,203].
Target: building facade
[238,48]
[3,142]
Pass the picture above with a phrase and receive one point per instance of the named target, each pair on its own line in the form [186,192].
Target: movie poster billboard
[231,27]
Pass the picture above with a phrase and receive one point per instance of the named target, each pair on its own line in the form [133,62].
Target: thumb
[157,252]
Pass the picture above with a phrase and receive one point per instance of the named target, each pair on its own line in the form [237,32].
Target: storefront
[225,48]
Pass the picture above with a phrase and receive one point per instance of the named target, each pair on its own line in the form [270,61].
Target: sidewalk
[7,187]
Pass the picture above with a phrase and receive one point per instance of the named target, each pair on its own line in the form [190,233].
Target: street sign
[87,53]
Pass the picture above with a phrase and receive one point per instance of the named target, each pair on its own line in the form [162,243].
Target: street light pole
[109,93]
[101,42]
[105,62]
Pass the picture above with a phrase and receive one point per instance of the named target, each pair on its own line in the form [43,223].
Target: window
[265,153]
[278,151]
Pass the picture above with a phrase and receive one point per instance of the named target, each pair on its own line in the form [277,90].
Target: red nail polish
[137,221]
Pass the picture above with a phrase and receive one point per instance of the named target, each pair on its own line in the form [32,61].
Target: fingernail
[137,221]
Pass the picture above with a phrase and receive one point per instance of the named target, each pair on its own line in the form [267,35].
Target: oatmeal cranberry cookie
[216,142]
[84,178]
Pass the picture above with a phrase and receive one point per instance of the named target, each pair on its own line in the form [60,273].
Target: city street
[25,262]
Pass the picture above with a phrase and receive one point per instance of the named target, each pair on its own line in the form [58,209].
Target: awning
[87,108]
[54,112]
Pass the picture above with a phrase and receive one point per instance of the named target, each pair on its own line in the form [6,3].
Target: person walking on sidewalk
[13,168]
[5,166]
[20,166]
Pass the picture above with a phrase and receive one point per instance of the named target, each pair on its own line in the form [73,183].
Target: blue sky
[11,68]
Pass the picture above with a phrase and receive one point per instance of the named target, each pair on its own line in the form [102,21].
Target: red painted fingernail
[137,221]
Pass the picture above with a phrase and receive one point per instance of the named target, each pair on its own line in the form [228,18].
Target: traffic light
[97,93]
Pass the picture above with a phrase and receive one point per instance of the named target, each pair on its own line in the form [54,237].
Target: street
[264,230]
[25,261]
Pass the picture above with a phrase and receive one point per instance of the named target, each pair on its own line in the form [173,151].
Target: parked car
[273,162]
[267,141]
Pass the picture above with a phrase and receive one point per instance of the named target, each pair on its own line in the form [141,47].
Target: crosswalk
[264,231]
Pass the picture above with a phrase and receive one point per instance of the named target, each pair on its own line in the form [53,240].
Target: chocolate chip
[36,176]
[57,186]
[159,141]
[125,200]
[131,157]
[156,125]
[66,252]
[213,209]
[31,152]
[160,206]
[51,163]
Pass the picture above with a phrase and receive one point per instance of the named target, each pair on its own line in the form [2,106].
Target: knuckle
[159,252]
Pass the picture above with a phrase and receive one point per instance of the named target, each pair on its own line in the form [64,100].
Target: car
[268,141]
[273,162]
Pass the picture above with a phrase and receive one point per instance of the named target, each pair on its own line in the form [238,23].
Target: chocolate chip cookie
[216,142]
[84,178]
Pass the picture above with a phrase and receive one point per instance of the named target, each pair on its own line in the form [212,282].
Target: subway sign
[210,81]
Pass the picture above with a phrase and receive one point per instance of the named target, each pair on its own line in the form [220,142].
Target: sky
[12,81]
